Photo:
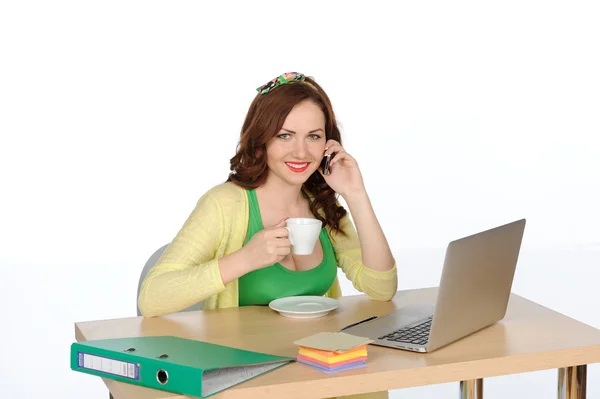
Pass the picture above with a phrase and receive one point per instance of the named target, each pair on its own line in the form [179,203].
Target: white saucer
[304,307]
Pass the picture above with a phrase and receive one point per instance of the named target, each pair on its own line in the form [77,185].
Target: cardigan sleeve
[377,285]
[188,271]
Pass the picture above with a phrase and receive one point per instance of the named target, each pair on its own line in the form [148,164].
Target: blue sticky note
[351,366]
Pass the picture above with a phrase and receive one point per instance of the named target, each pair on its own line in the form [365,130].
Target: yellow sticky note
[333,341]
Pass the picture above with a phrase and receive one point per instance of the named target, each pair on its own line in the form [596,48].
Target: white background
[115,116]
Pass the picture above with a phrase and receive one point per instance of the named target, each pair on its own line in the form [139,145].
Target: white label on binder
[110,366]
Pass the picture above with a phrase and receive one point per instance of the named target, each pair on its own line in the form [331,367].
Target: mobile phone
[325,164]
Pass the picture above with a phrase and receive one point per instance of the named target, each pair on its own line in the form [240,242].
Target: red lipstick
[297,167]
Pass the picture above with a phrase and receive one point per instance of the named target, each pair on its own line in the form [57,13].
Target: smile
[297,167]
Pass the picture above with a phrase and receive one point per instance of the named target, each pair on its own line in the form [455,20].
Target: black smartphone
[325,164]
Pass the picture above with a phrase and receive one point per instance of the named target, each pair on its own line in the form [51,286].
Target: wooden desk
[530,338]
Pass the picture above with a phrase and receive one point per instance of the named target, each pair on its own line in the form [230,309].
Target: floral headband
[286,78]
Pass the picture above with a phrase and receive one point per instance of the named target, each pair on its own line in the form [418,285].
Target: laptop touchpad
[397,319]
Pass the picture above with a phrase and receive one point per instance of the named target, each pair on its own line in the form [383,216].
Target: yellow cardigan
[188,271]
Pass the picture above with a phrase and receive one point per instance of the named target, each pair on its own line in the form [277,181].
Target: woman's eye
[283,136]
[315,136]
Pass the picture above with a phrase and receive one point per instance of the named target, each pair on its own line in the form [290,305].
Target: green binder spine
[172,364]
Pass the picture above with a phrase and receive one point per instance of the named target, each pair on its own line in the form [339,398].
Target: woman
[234,250]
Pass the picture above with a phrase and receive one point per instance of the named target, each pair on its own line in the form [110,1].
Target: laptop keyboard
[417,334]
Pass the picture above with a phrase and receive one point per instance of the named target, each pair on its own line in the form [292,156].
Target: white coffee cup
[303,234]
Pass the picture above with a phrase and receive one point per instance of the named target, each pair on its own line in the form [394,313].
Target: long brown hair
[264,120]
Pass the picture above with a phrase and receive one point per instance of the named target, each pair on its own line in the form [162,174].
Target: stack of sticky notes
[331,352]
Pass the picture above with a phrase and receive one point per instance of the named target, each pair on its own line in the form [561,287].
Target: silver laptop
[473,294]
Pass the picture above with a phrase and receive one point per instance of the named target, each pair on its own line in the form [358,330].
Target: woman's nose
[300,149]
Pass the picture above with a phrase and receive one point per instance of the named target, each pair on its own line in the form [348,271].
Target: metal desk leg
[471,389]
[572,382]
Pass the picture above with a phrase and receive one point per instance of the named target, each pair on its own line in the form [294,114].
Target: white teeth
[297,166]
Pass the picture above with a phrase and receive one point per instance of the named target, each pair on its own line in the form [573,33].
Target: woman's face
[297,149]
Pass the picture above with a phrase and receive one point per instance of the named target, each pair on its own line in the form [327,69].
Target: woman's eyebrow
[312,131]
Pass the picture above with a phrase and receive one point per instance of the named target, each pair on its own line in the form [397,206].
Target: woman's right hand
[267,246]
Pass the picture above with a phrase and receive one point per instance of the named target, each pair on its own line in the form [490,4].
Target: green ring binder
[173,364]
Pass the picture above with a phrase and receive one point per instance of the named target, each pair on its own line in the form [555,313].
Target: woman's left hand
[344,175]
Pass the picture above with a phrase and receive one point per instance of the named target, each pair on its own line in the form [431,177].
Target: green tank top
[261,286]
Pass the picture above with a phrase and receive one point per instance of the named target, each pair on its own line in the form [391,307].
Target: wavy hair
[264,120]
